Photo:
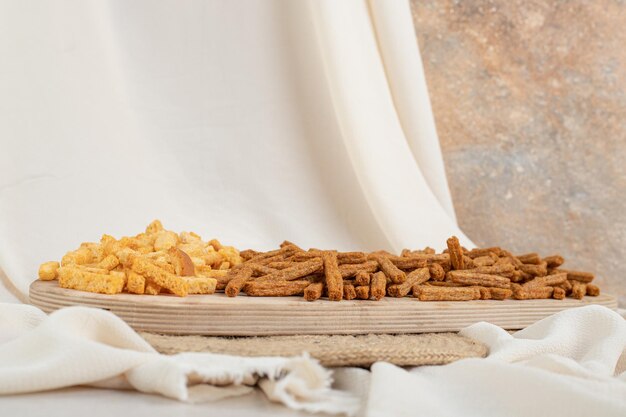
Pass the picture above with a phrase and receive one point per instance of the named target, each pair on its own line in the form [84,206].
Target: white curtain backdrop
[249,121]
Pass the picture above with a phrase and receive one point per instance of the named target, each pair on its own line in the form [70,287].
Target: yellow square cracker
[152,288]
[201,285]
[80,256]
[78,279]
[48,271]
[165,279]
[109,263]
[136,283]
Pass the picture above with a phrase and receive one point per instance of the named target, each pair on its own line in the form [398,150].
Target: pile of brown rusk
[160,261]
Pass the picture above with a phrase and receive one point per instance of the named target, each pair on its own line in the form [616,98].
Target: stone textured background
[530,103]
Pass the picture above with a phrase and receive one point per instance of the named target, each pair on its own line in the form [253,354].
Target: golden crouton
[201,285]
[78,279]
[80,256]
[154,227]
[49,271]
[109,263]
[165,240]
[152,288]
[135,283]
[165,279]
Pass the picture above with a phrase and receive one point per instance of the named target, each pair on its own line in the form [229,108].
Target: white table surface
[94,402]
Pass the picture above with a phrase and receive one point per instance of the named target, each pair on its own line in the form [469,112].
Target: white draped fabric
[249,121]
[252,121]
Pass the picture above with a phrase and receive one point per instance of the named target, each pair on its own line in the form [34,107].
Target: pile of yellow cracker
[154,262]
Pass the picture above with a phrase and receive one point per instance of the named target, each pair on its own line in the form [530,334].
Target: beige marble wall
[530,103]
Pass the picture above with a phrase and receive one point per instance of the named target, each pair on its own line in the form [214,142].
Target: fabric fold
[564,365]
[86,346]
[397,192]
[399,52]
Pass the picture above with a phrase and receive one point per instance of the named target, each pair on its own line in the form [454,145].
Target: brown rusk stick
[362,278]
[417,277]
[473,278]
[475,253]
[456,253]
[558,293]
[349,293]
[593,290]
[313,291]
[437,272]
[260,270]
[430,293]
[554,261]
[238,279]
[539,270]
[350,270]
[378,285]
[342,257]
[576,275]
[521,293]
[493,269]
[395,275]
[280,264]
[298,270]
[362,292]
[579,289]
[548,280]
[530,258]
[334,281]
[499,293]
[275,288]
[483,261]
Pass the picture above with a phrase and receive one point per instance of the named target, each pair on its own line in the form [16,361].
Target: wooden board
[217,314]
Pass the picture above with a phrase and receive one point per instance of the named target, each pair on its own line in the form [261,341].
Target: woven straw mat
[333,350]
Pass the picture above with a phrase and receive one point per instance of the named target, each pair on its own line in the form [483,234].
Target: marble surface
[530,104]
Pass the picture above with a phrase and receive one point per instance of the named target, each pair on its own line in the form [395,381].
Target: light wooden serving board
[217,314]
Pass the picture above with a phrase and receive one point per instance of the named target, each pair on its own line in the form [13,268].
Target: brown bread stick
[558,293]
[473,278]
[394,274]
[475,253]
[280,264]
[362,292]
[548,280]
[275,288]
[578,275]
[417,277]
[500,293]
[259,270]
[437,272]
[362,278]
[539,270]
[493,269]
[350,270]
[313,291]
[238,280]
[298,270]
[456,253]
[554,261]
[530,258]
[334,281]
[378,285]
[430,293]
[531,293]
[349,293]
[483,261]
[579,289]
[351,257]
[593,290]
